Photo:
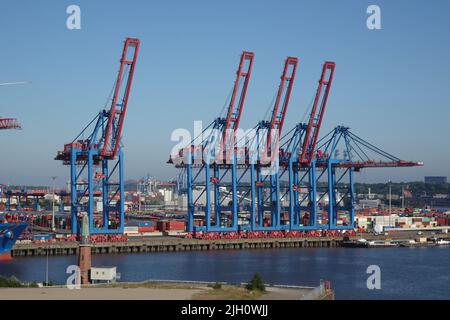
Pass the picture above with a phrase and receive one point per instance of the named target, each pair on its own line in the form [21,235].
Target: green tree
[256,283]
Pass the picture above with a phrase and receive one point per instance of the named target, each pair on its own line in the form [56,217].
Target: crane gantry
[96,162]
[298,182]
[211,164]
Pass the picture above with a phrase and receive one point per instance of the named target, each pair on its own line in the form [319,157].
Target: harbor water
[406,273]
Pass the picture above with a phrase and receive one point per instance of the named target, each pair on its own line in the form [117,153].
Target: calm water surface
[406,273]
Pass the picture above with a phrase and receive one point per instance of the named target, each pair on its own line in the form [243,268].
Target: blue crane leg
[252,199]
[122,193]
[313,195]
[90,209]
[190,204]
[216,197]
[208,197]
[234,196]
[105,192]
[73,191]
[292,197]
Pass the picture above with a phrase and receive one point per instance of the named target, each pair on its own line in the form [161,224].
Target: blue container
[145,223]
[42,237]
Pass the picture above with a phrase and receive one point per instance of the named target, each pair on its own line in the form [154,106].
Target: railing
[319,292]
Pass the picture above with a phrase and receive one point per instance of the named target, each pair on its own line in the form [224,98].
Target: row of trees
[416,188]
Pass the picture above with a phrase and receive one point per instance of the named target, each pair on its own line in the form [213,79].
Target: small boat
[442,242]
[382,244]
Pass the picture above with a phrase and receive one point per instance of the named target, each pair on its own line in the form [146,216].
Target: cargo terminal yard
[293,189]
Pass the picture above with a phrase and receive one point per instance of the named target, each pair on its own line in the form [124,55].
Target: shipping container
[153,234]
[145,223]
[174,233]
[42,237]
[146,229]
[175,225]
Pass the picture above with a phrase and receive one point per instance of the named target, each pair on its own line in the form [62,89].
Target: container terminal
[298,191]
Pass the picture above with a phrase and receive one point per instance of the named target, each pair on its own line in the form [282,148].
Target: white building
[104,274]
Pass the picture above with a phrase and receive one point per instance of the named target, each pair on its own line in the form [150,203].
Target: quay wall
[170,245]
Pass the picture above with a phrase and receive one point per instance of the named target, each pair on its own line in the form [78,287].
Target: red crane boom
[235,109]
[317,112]
[119,103]
[284,94]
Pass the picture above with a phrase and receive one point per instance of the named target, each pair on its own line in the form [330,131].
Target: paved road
[96,294]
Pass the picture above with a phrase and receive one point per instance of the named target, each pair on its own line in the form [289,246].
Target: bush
[11,282]
[256,283]
[217,286]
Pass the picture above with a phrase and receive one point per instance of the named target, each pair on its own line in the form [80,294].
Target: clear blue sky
[391,86]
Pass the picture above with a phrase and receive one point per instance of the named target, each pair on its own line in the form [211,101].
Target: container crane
[211,164]
[96,162]
[305,185]
[263,166]
[10,123]
[297,159]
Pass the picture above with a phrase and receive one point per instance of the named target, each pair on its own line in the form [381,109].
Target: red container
[175,225]
[146,229]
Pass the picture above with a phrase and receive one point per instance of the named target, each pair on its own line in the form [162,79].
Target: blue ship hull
[9,233]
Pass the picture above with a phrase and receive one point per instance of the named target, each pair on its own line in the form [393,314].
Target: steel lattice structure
[276,184]
[96,163]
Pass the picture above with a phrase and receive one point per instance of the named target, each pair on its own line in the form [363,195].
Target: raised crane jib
[238,96]
[283,96]
[116,116]
[317,112]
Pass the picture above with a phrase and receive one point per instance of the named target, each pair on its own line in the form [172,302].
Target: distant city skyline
[390,85]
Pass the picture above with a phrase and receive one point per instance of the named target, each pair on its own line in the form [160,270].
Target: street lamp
[53,204]
[403,198]
[46,268]
[390,197]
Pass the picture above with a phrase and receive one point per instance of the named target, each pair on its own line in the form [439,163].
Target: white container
[155,234]
[176,233]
